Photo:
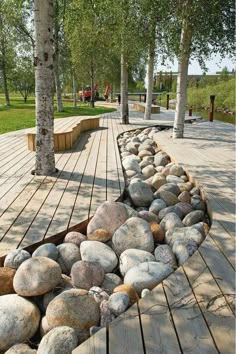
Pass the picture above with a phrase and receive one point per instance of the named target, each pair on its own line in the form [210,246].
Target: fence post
[211,113]
[167,101]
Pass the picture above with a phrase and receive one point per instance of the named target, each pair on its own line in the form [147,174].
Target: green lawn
[20,115]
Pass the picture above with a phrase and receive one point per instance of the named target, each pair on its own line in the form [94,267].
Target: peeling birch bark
[148,107]
[44,88]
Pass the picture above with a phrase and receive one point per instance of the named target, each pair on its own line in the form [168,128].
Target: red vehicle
[86,94]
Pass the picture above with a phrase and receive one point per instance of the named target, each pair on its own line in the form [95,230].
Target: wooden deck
[192,310]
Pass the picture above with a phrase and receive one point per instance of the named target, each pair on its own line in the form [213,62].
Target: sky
[215,64]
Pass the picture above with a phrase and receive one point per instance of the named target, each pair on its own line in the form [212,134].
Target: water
[223,117]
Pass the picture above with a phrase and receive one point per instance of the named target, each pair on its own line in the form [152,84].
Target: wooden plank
[125,335]
[158,331]
[214,307]
[95,345]
[193,333]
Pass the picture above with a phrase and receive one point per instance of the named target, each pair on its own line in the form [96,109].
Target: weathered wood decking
[191,311]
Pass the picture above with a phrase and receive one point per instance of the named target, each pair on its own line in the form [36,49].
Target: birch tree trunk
[148,107]
[44,88]
[4,76]
[75,95]
[56,62]
[181,94]
[124,90]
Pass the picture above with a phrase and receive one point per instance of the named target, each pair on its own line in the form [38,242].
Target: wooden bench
[139,106]
[66,135]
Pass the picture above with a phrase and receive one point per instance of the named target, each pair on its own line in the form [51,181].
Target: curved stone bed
[88,298]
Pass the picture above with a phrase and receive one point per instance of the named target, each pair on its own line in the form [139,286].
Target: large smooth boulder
[69,253]
[169,187]
[94,251]
[158,180]
[134,233]
[148,216]
[130,291]
[109,216]
[75,237]
[169,198]
[21,348]
[47,250]
[100,235]
[141,194]
[19,320]
[131,163]
[148,171]
[174,179]
[161,159]
[74,308]
[147,275]
[164,254]
[194,217]
[183,233]
[118,303]
[6,280]
[132,257]
[110,282]
[170,221]
[183,249]
[87,274]
[37,276]
[130,211]
[15,258]
[176,170]
[157,205]
[60,340]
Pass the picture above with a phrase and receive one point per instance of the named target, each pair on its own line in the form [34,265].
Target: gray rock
[75,237]
[185,197]
[170,221]
[149,216]
[130,173]
[95,251]
[144,153]
[130,211]
[156,206]
[98,294]
[197,203]
[19,320]
[131,147]
[144,163]
[106,315]
[144,293]
[60,340]
[131,163]
[195,191]
[161,159]
[73,308]
[147,147]
[147,275]
[109,216]
[36,276]
[150,159]
[140,194]
[134,233]
[15,258]
[183,249]
[182,209]
[174,179]
[132,257]
[125,154]
[20,349]
[169,198]
[169,187]
[164,254]
[148,171]
[183,233]
[186,186]
[203,228]
[110,282]
[193,217]
[162,213]
[118,303]
[85,275]
[176,170]
[44,327]
[69,253]
[47,250]
[158,180]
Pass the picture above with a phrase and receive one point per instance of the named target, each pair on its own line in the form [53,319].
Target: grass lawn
[21,116]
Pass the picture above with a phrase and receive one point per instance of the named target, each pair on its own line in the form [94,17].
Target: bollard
[190,112]
[211,113]
[167,101]
[144,98]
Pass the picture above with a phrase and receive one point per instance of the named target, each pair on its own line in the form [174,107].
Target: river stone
[21,348]
[98,294]
[186,186]
[60,340]
[106,315]
[144,163]
[183,233]
[197,203]
[176,170]
[159,169]
[148,216]
[36,276]
[161,159]
[69,253]
[109,216]
[150,159]
[130,211]
[146,146]
[110,282]
[183,249]
[75,237]
[130,291]
[100,235]
[140,194]
[44,327]
[169,198]
[94,251]
[169,187]
[157,232]
[193,217]
[147,275]
[62,286]
[134,233]
[118,303]
[73,308]
[125,154]
[166,170]
[15,258]
[162,213]
[130,174]
[144,153]
[158,180]
[131,163]
[87,274]
[19,320]
[170,221]
[185,197]
[131,147]
[164,254]
[157,205]
[182,209]
[144,293]
[132,257]
[202,227]
[195,191]
[148,171]
[6,280]
[174,179]
[47,250]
